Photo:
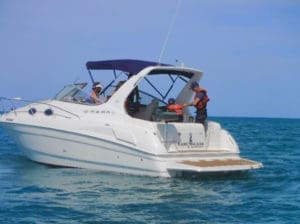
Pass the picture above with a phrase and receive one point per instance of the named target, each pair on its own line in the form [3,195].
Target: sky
[248,50]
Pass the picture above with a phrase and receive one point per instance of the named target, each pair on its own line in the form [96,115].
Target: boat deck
[216,162]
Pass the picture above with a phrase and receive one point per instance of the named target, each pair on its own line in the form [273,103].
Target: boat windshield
[73,93]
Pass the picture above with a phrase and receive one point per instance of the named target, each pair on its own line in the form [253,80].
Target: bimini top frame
[132,67]
[129,66]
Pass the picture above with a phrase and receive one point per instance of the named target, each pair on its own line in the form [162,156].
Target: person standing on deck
[199,102]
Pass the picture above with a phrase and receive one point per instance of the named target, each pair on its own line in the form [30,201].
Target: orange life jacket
[201,103]
[175,108]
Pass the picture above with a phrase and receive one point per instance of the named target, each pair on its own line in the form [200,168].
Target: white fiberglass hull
[70,149]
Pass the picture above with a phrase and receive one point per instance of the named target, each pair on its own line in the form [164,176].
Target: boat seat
[147,112]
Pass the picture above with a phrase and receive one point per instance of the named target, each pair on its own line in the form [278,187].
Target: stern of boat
[192,148]
[186,137]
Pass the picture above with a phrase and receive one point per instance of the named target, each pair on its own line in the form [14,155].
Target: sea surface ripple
[35,193]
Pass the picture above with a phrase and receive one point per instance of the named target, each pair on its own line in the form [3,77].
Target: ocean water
[35,193]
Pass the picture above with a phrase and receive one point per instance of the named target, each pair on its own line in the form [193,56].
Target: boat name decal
[99,112]
[107,112]
[190,143]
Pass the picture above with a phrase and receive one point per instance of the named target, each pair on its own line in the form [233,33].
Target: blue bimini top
[125,65]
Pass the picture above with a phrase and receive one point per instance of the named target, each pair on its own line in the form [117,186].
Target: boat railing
[12,105]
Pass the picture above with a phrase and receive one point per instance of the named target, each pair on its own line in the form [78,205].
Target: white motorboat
[129,133]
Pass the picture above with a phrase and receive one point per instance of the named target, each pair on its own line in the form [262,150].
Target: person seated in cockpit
[174,107]
[95,94]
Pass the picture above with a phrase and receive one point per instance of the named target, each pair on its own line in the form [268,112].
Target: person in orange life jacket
[173,107]
[95,94]
[199,102]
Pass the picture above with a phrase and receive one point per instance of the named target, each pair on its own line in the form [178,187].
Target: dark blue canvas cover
[126,65]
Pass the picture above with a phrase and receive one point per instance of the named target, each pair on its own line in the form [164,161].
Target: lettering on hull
[190,143]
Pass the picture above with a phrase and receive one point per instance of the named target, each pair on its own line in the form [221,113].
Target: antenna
[170,30]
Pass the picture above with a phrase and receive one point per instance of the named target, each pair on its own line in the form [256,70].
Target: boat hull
[71,149]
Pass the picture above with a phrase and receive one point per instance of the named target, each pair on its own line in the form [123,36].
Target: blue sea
[36,193]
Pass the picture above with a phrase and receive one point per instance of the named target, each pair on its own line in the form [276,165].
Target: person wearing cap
[95,94]
[199,102]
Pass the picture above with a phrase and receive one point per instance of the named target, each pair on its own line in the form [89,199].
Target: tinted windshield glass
[73,93]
